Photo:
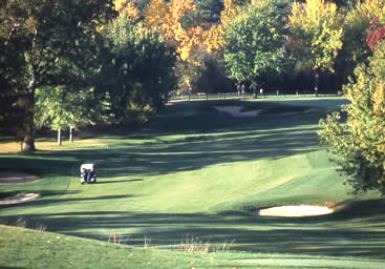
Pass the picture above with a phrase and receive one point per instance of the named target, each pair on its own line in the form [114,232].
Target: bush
[360,142]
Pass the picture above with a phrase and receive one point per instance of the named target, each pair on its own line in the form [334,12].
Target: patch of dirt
[16,177]
[295,211]
[19,198]
[236,111]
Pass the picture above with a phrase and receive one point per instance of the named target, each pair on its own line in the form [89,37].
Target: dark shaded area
[356,230]
[8,267]
[223,139]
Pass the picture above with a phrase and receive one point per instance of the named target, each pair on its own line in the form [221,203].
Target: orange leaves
[378,99]
[191,46]
[157,16]
[127,8]
[230,11]
[169,18]
[215,37]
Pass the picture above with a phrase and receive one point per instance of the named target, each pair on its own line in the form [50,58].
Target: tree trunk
[59,138]
[28,126]
[316,83]
[29,106]
[29,136]
[71,136]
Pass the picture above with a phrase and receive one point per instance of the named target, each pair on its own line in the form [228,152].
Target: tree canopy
[255,42]
[360,142]
[55,56]
[54,39]
[132,77]
[316,33]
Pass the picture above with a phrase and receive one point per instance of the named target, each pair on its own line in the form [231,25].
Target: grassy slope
[197,172]
[23,248]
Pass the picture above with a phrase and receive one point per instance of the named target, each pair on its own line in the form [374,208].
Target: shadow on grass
[10,267]
[48,198]
[199,140]
[119,181]
[345,233]
[222,139]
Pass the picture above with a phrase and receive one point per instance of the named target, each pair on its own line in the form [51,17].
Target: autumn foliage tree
[356,23]
[359,144]
[316,35]
[128,8]
[376,33]
[215,38]
[175,21]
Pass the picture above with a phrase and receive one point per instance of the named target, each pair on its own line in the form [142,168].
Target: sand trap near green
[236,111]
[19,198]
[295,211]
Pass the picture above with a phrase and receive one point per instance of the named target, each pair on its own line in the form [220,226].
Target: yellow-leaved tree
[360,141]
[316,35]
[356,24]
[215,38]
[128,8]
[172,20]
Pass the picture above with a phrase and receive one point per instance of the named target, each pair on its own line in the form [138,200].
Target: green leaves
[59,107]
[56,44]
[254,44]
[139,72]
[316,25]
[360,142]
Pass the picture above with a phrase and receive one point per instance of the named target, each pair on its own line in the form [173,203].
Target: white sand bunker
[19,198]
[235,111]
[295,211]
[16,177]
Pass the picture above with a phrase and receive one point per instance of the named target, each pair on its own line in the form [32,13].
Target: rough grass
[10,146]
[195,172]
[24,248]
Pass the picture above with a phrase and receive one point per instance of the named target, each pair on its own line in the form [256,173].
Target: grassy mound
[23,248]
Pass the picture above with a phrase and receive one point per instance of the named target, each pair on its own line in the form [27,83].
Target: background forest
[66,64]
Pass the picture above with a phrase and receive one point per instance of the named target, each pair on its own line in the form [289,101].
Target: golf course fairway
[184,191]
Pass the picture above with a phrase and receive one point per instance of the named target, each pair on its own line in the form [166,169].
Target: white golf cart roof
[88,166]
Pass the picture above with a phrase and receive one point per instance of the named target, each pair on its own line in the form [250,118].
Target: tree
[316,35]
[60,108]
[132,77]
[11,112]
[255,42]
[357,21]
[360,142]
[215,38]
[208,11]
[175,21]
[129,8]
[53,37]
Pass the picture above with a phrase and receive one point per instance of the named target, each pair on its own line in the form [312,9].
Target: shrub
[360,142]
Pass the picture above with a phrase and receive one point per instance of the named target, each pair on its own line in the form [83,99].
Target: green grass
[23,248]
[195,172]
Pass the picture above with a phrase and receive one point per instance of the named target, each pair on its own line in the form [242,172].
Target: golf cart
[87,173]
